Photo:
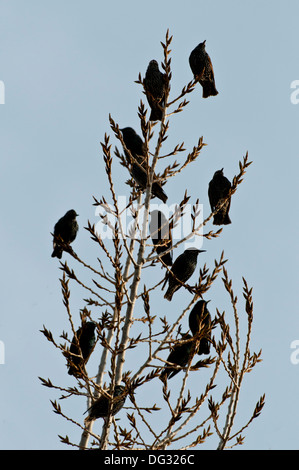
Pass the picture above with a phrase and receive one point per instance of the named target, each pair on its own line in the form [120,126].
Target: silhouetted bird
[155,88]
[218,191]
[87,340]
[182,269]
[137,148]
[178,356]
[161,235]
[202,68]
[100,408]
[66,228]
[135,144]
[200,317]
[140,176]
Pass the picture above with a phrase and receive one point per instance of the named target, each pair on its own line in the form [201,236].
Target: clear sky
[66,66]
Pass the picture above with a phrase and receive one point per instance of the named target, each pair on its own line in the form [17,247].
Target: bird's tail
[204,347]
[156,114]
[57,252]
[158,191]
[168,295]
[227,220]
[209,89]
[221,219]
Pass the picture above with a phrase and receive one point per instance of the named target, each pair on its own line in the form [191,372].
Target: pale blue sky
[66,66]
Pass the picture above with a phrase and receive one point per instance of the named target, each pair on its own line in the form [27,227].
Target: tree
[124,285]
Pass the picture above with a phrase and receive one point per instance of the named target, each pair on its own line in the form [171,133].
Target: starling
[179,356]
[200,316]
[87,340]
[137,148]
[155,86]
[202,68]
[183,268]
[218,191]
[161,235]
[66,228]
[135,144]
[140,176]
[99,409]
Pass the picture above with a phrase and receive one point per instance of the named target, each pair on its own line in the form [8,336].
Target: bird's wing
[213,194]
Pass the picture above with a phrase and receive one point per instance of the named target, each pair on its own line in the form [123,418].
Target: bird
[66,228]
[218,191]
[140,176]
[202,68]
[87,339]
[100,408]
[155,86]
[182,269]
[179,356]
[161,235]
[198,317]
[134,143]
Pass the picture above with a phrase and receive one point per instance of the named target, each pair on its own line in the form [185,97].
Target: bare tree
[123,289]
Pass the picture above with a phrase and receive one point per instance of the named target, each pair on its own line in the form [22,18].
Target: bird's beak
[204,42]
[201,251]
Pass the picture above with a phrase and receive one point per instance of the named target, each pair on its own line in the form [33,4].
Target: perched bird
[179,356]
[66,228]
[202,68]
[137,148]
[218,191]
[161,235]
[200,316]
[155,88]
[87,339]
[182,269]
[140,176]
[134,143]
[100,408]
